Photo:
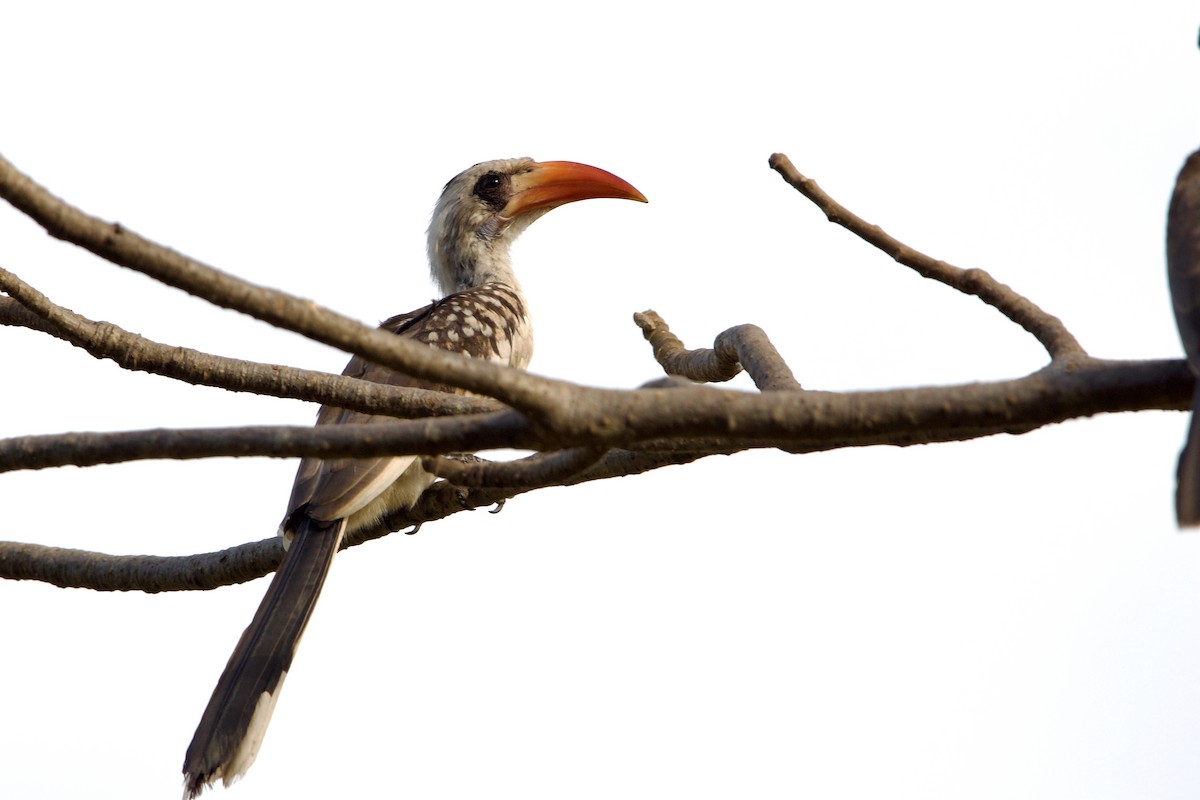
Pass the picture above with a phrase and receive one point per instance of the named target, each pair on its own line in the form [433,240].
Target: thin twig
[1046,328]
[70,568]
[431,435]
[28,307]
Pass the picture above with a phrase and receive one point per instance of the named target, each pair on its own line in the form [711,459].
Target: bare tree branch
[741,346]
[707,366]
[103,572]
[581,433]
[794,421]
[541,469]
[30,308]
[1046,328]
[114,243]
[84,569]
[326,441]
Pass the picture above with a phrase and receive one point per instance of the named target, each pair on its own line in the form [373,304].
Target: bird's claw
[463,497]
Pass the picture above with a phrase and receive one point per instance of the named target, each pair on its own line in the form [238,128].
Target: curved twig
[743,346]
[706,366]
[1046,328]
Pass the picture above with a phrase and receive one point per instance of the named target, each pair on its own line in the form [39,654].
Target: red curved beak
[555,183]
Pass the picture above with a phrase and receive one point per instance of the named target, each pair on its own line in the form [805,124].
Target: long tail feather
[232,728]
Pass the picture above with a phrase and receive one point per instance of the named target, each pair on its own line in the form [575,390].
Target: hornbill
[482,314]
[1183,274]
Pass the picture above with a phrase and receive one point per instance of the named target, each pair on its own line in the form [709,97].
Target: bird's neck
[476,269]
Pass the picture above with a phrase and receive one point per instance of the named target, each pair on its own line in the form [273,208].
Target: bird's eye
[490,188]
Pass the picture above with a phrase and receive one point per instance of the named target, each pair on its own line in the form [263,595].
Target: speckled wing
[486,322]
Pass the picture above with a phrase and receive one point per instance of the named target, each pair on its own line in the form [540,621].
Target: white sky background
[1011,617]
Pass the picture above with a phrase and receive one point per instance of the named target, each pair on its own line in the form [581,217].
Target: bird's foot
[463,495]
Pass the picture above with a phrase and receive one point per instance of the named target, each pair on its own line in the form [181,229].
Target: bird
[482,314]
[1183,275]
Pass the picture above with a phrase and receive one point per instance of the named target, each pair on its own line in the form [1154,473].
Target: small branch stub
[743,346]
